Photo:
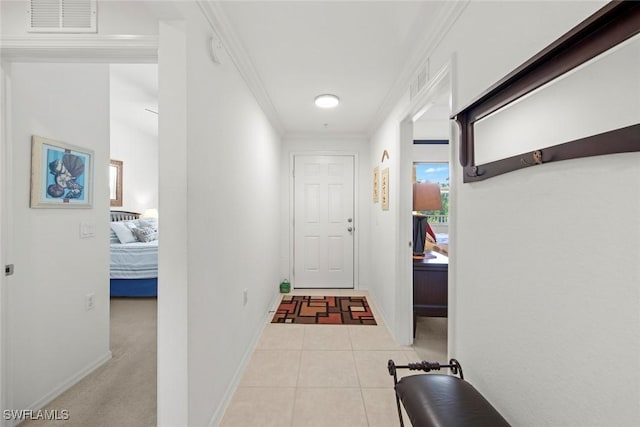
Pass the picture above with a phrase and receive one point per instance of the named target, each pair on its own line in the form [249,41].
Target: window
[436,173]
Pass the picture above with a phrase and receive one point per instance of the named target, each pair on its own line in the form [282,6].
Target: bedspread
[136,260]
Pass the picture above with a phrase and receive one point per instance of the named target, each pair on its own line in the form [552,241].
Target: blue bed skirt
[134,287]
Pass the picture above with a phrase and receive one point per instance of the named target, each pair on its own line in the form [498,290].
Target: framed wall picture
[385,189]
[115,183]
[61,174]
[376,184]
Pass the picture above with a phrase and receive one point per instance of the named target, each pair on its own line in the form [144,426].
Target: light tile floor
[325,375]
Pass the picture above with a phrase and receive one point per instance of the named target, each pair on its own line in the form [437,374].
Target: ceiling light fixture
[327,100]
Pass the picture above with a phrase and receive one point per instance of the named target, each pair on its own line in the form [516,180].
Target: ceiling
[365,52]
[362,51]
[134,97]
[434,122]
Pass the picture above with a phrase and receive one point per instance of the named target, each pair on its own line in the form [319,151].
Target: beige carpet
[122,392]
[430,342]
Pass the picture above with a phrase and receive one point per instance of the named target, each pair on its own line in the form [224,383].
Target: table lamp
[150,213]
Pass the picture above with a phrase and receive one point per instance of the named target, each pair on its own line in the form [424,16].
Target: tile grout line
[355,366]
[295,391]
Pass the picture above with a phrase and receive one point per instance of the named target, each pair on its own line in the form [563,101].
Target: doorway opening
[427,167]
[133,321]
[430,268]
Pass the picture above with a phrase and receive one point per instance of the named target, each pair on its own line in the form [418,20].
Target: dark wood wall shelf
[615,23]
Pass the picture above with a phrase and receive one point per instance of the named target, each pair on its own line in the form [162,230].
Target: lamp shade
[150,213]
[426,196]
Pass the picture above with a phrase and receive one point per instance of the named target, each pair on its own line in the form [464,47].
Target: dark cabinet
[430,286]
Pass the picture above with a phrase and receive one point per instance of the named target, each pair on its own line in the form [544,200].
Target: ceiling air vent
[418,83]
[62,16]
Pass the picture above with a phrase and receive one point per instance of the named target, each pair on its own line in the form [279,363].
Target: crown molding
[427,45]
[220,24]
[80,47]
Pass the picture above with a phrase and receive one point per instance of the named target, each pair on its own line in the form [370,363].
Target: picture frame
[376,184]
[115,183]
[61,174]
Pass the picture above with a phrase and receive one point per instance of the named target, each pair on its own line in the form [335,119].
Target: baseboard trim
[380,312]
[237,376]
[69,382]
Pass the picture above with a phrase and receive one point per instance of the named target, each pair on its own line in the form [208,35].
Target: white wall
[233,209]
[52,340]
[173,406]
[431,129]
[543,291]
[364,193]
[383,269]
[134,133]
[424,153]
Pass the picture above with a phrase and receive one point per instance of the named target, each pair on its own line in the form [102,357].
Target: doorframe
[404,290]
[356,210]
[5,121]
[102,49]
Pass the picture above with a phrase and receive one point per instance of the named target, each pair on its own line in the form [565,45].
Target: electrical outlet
[89,302]
[245,296]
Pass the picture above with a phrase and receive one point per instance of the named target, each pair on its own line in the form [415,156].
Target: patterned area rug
[324,310]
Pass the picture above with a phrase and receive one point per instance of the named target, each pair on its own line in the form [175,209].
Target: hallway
[320,375]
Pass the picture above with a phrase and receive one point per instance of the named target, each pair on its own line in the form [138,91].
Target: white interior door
[324,224]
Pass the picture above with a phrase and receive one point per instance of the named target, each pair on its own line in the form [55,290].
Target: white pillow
[145,234]
[112,237]
[123,232]
[148,222]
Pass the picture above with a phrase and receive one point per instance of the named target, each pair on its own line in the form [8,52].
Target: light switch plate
[87,229]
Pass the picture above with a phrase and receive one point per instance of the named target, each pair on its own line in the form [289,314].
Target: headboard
[117,216]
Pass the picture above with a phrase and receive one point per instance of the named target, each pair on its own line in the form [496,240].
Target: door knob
[349,229]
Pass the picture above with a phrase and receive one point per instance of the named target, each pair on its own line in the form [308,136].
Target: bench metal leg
[392,371]
[425,366]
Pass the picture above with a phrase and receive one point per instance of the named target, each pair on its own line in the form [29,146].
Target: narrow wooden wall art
[376,184]
[385,189]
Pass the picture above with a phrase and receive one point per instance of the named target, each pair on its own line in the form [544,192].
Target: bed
[133,255]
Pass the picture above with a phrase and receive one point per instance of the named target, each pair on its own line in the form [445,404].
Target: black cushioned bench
[436,400]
